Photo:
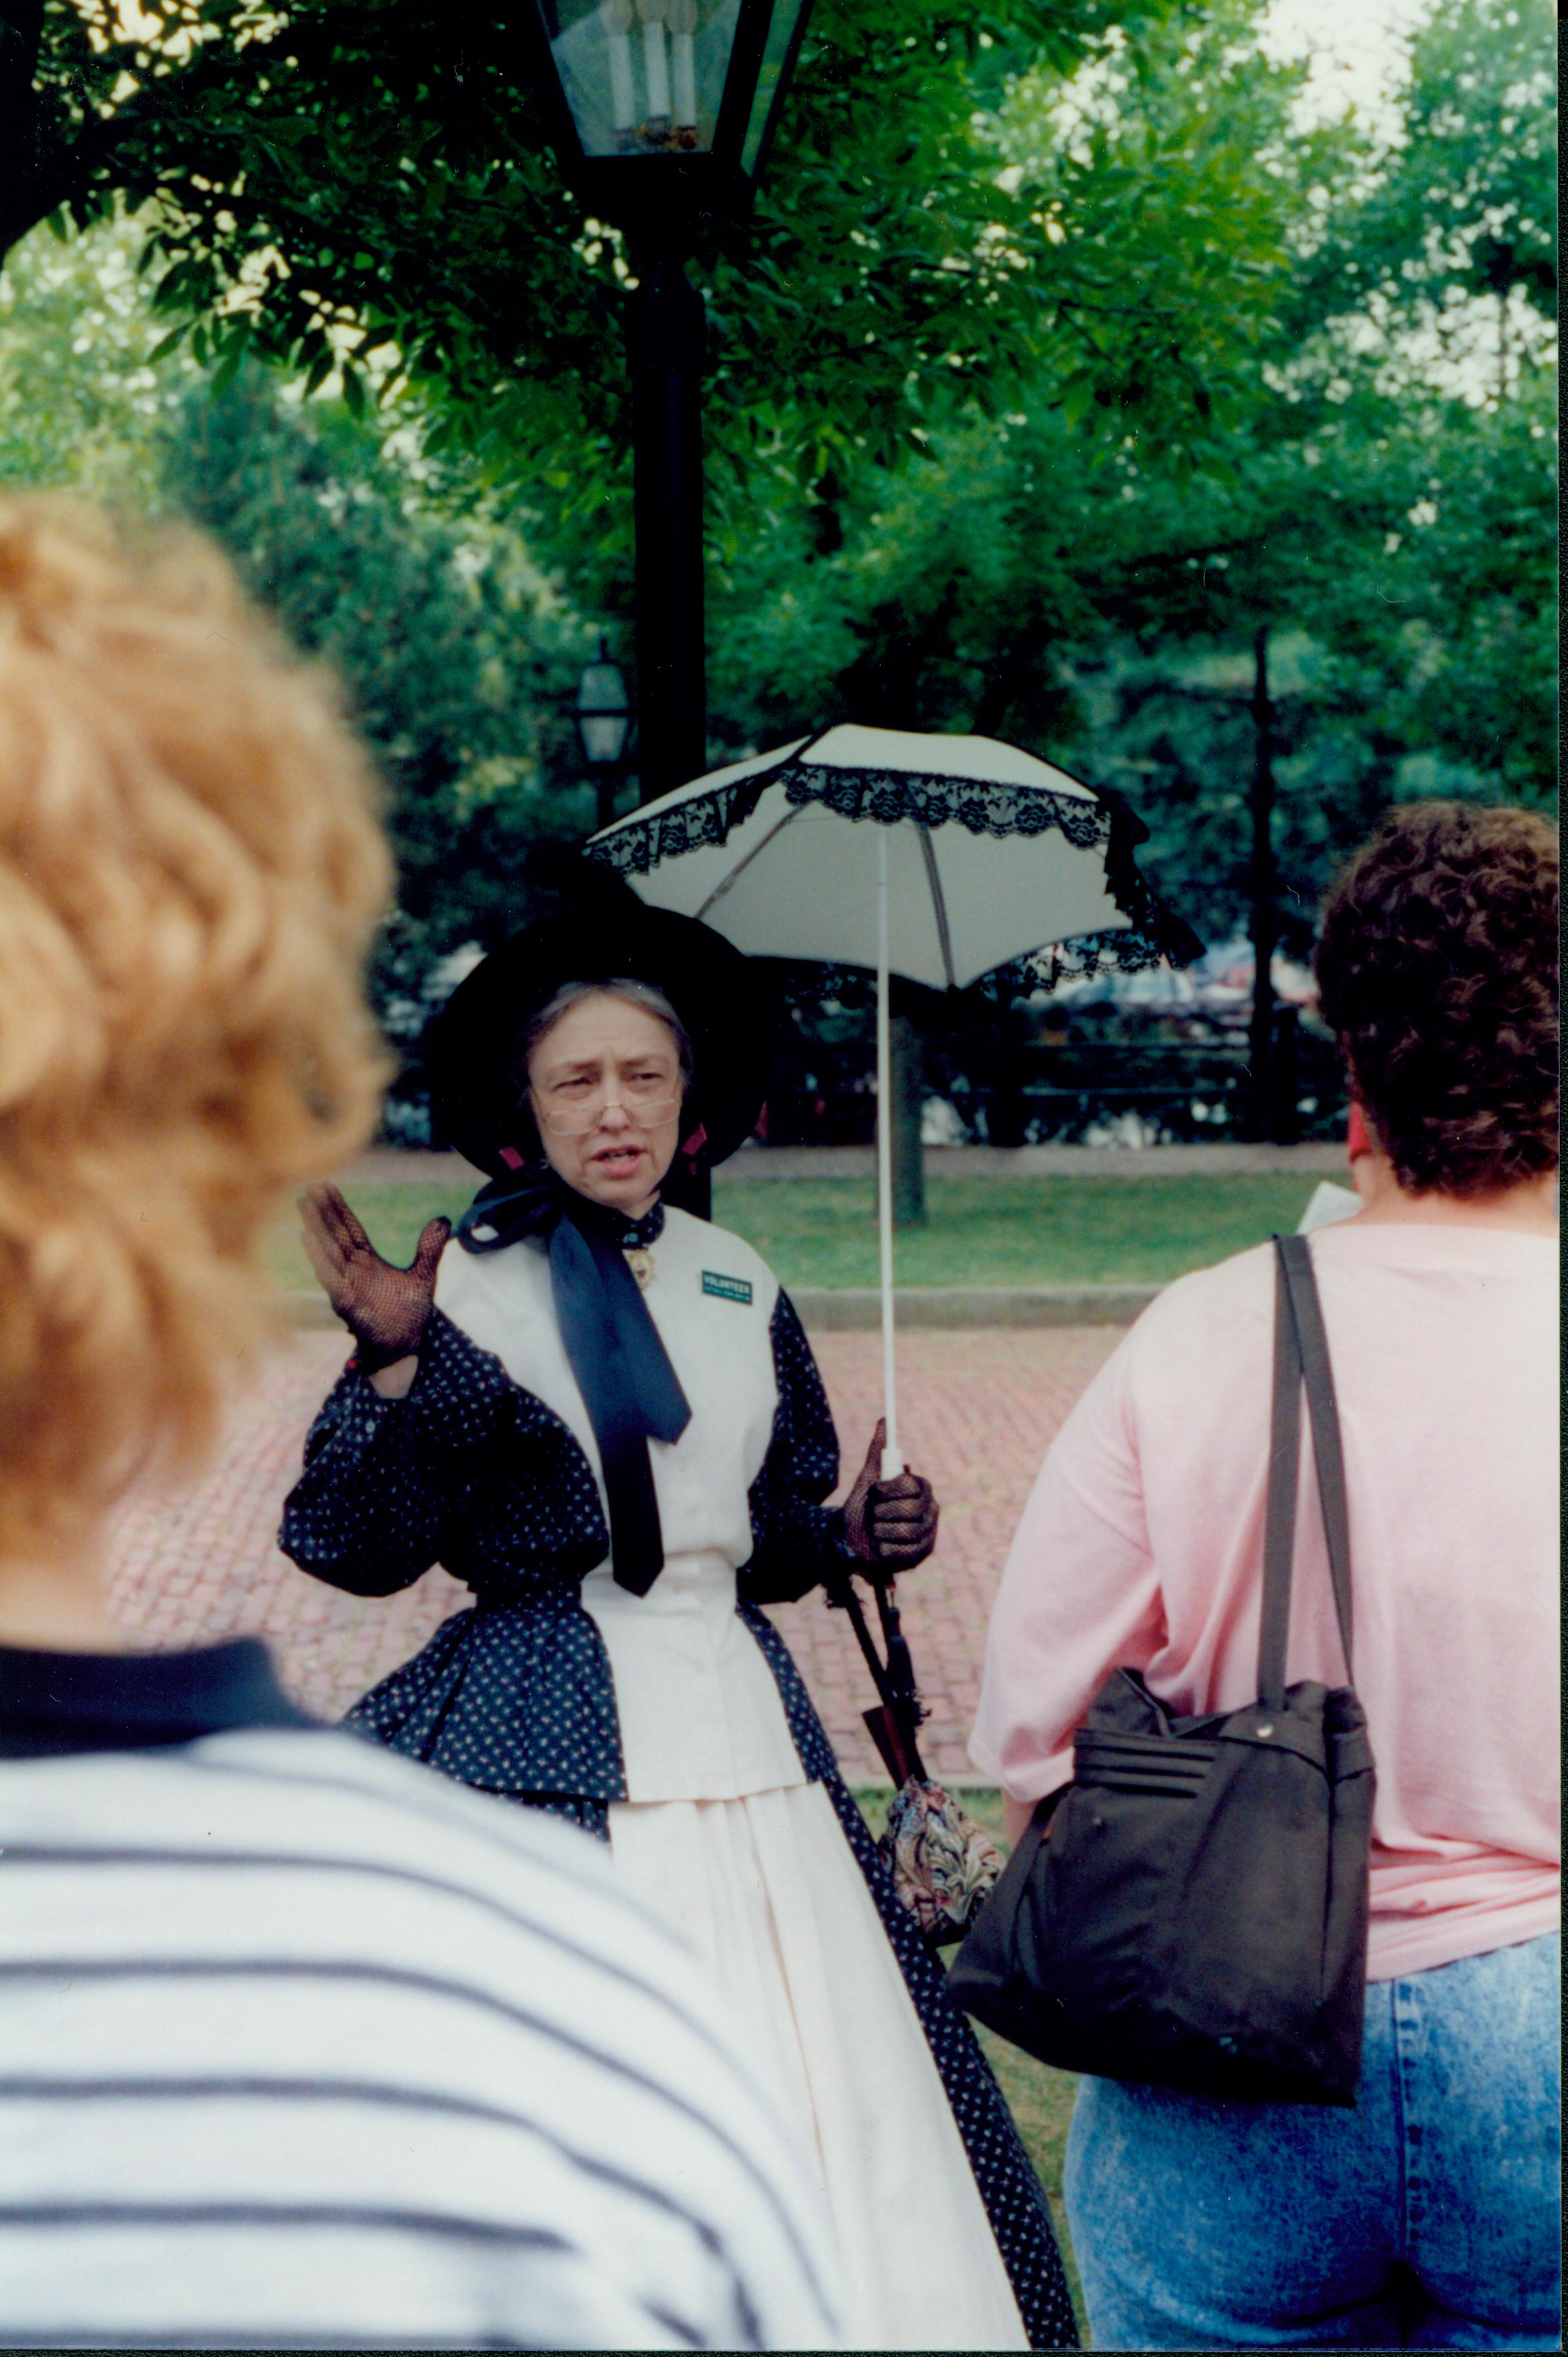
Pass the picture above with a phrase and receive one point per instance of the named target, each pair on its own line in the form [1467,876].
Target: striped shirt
[303,2046]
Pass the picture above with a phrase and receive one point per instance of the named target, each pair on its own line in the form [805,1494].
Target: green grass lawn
[1012,1230]
[822,1231]
[1039,2098]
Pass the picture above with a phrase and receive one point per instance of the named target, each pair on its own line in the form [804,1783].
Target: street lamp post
[661,115]
[1263,1109]
[666,334]
[603,716]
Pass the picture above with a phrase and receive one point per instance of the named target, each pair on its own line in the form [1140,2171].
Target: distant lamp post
[662,113]
[604,716]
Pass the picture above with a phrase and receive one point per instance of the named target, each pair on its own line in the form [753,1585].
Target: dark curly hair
[1437,967]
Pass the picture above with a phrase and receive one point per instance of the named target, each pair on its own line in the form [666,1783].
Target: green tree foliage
[1463,211]
[457,657]
[1058,361]
[370,174]
[1377,504]
[80,403]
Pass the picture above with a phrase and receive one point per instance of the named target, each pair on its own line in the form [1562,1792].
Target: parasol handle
[899,1713]
[892,1462]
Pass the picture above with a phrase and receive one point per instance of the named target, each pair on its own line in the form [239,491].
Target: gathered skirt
[946,2240]
[769,1892]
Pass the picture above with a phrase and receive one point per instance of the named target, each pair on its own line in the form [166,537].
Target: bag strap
[1279,1516]
[1301,1355]
[1312,1342]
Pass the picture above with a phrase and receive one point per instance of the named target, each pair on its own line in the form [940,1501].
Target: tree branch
[21,30]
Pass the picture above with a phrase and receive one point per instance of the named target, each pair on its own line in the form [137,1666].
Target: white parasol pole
[892,1463]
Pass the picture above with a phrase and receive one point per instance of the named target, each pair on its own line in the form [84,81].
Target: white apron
[721,1832]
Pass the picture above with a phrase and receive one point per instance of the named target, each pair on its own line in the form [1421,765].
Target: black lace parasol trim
[1092,955]
[890,797]
[637,846]
[887,797]
[893,797]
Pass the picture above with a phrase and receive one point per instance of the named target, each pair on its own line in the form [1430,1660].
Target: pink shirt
[1142,1547]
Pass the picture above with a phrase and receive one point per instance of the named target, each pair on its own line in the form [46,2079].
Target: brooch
[639,1260]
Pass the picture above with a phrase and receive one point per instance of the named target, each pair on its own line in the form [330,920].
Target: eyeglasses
[574,1107]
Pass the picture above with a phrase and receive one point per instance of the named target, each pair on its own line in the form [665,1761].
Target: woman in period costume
[602,1413]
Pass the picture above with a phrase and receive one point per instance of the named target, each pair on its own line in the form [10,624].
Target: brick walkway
[976,1409]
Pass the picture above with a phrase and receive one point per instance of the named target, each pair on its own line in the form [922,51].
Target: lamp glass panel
[787,14]
[602,712]
[642,77]
[604,737]
[601,688]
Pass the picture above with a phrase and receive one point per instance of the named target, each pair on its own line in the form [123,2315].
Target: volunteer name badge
[726,1288]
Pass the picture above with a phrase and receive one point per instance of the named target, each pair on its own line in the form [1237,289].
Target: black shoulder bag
[1197,1915]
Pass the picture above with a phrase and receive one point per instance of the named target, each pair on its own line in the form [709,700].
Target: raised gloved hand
[889,1525]
[385,1309]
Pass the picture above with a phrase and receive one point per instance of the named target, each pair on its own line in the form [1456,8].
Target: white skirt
[769,1891]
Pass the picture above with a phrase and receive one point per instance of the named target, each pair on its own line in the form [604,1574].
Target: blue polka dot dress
[557,1683]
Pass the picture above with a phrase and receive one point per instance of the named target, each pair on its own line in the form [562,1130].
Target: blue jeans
[1426,2218]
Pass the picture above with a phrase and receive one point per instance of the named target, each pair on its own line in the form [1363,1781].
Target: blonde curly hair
[191,870]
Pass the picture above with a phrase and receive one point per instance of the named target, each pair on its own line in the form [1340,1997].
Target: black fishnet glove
[889,1525]
[385,1309]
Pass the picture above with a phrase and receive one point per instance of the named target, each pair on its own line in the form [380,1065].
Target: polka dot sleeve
[468,1470]
[796,1539]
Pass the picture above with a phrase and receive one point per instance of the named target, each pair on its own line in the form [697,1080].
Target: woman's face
[605,1082]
